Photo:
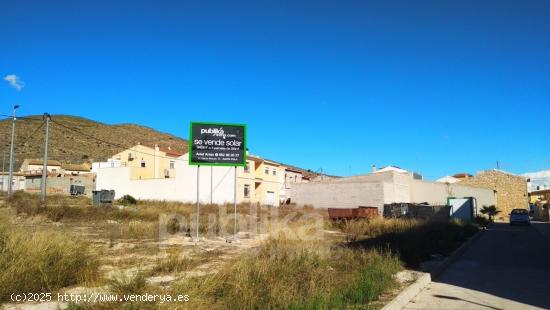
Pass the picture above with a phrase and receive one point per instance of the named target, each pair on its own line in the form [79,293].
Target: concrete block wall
[339,194]
[61,185]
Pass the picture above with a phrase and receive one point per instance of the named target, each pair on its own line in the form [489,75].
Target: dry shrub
[140,230]
[126,284]
[414,241]
[175,263]
[296,274]
[42,261]
[377,226]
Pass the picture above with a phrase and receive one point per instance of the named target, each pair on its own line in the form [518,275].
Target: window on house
[142,163]
[247,169]
[266,170]
[246,190]
[274,172]
[172,164]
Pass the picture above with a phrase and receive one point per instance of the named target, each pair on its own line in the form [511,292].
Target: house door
[270,199]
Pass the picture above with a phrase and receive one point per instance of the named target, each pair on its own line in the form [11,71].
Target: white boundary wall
[437,193]
[375,190]
[181,188]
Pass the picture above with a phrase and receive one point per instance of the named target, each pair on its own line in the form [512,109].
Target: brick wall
[511,189]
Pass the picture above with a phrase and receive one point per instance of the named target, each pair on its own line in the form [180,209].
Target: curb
[410,292]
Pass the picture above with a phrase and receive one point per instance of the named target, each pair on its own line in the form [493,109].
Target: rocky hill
[75,139]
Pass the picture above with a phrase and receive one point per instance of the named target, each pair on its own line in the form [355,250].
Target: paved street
[506,268]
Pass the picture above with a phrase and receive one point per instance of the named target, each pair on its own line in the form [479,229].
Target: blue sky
[438,87]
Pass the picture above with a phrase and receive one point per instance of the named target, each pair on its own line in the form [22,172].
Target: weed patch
[42,261]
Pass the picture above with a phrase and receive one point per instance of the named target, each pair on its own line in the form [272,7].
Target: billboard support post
[235,207]
[198,201]
[217,144]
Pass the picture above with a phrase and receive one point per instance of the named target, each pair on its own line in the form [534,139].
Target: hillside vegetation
[70,146]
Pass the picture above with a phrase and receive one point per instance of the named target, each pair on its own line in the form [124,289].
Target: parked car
[520,217]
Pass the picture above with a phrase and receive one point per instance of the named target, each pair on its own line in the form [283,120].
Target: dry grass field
[289,257]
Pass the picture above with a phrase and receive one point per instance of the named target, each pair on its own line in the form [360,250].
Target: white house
[36,165]
[539,180]
[18,181]
[110,163]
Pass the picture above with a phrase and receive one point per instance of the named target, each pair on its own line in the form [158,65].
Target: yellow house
[540,197]
[268,180]
[246,182]
[149,162]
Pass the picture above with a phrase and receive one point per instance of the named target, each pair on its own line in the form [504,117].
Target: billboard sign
[216,144]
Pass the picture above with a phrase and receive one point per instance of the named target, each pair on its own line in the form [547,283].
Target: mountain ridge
[76,139]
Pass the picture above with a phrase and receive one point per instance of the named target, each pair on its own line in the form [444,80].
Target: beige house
[267,182]
[148,162]
[76,169]
[36,165]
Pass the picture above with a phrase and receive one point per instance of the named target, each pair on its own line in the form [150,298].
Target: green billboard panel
[217,144]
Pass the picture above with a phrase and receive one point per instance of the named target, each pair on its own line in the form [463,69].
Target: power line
[32,134]
[9,117]
[111,143]
[62,129]
[29,137]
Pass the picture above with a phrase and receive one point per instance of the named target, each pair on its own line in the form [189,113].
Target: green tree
[491,211]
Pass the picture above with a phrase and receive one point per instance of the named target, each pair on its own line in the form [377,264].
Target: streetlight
[10,178]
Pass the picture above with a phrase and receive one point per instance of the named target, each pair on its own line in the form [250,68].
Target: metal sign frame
[191,138]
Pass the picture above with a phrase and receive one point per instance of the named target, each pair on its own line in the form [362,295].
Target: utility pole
[10,177]
[3,170]
[45,165]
